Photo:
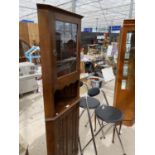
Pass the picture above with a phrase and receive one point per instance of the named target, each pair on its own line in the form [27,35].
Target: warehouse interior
[71,51]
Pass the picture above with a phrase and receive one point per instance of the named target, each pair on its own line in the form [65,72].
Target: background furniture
[124,97]
[108,74]
[27,77]
[28,36]
[33,53]
[29,33]
[59,32]
[23,46]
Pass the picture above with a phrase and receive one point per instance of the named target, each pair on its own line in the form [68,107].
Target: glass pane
[59,26]
[128,37]
[127,55]
[74,28]
[128,44]
[123,85]
[125,70]
[66,40]
[128,66]
[127,51]
[68,27]
[128,47]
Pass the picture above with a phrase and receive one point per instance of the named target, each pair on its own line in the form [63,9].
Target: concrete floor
[32,128]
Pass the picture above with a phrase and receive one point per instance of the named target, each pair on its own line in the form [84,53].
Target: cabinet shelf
[62,106]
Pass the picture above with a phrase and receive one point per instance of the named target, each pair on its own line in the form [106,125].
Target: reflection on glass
[127,55]
[66,51]
[125,70]
[59,26]
[128,66]
[68,27]
[128,47]
[127,51]
[123,85]
[128,37]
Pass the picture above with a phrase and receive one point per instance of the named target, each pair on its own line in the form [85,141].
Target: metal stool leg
[114,129]
[88,120]
[95,122]
[120,142]
[101,126]
[120,127]
[105,97]
[91,127]
[97,134]
[82,113]
[80,146]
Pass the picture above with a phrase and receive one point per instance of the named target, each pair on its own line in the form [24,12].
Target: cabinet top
[56,9]
[129,22]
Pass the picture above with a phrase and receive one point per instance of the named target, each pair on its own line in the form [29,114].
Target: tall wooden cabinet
[124,97]
[59,32]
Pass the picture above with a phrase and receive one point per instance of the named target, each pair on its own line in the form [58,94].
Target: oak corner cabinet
[124,97]
[59,32]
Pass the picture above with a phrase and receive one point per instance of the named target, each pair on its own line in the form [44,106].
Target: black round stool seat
[109,114]
[92,102]
[93,92]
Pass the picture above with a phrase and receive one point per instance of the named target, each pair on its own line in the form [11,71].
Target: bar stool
[87,103]
[109,114]
[94,92]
